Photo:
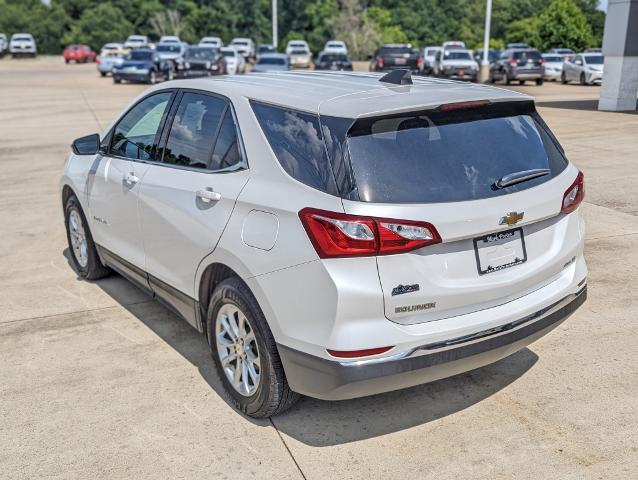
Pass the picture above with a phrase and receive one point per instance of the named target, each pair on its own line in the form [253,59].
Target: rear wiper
[520,177]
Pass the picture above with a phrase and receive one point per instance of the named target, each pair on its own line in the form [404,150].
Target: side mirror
[88,145]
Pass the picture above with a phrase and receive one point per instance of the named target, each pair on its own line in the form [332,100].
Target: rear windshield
[394,50]
[22,39]
[456,55]
[140,55]
[168,47]
[432,157]
[553,58]
[524,55]
[271,61]
[333,57]
[300,51]
[228,53]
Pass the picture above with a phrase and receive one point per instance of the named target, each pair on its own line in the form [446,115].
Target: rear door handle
[131,179]
[208,195]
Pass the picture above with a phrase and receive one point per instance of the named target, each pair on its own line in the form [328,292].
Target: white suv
[22,44]
[334,234]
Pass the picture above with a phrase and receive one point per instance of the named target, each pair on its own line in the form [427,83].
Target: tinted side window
[226,152]
[134,136]
[190,141]
[296,139]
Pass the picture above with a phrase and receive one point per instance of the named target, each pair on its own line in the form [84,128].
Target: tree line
[363,24]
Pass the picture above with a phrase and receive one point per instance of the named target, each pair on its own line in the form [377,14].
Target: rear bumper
[333,380]
[131,77]
[527,75]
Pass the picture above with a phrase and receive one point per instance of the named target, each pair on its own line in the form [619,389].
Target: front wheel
[539,81]
[563,78]
[82,249]
[245,353]
[583,81]
[103,74]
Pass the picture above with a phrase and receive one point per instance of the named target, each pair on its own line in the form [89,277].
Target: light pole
[485,63]
[274,23]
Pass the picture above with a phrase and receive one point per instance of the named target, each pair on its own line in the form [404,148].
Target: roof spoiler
[400,76]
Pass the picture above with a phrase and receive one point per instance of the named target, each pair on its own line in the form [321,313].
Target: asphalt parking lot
[99,381]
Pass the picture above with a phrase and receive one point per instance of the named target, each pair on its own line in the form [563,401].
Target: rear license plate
[461,72]
[399,61]
[501,250]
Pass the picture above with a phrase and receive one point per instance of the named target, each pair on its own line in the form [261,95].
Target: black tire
[117,80]
[582,79]
[539,81]
[93,270]
[103,74]
[521,82]
[563,78]
[66,61]
[491,78]
[508,80]
[152,78]
[273,395]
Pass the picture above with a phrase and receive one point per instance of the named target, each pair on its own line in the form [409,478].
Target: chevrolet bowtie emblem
[511,218]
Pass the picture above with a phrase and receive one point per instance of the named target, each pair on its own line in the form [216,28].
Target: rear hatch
[397,57]
[443,167]
[527,61]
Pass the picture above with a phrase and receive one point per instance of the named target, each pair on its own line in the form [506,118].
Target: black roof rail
[400,76]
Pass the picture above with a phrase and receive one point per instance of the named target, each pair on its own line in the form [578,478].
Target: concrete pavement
[99,381]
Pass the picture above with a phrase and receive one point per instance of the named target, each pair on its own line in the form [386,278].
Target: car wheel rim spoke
[79,243]
[237,349]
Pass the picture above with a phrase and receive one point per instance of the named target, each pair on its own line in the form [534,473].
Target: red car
[79,54]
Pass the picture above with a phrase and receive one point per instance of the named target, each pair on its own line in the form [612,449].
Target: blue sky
[602,4]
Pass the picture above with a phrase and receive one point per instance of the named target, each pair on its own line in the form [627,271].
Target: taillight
[514,63]
[337,235]
[380,62]
[574,194]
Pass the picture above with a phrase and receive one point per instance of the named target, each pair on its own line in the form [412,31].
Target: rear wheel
[152,78]
[117,80]
[563,78]
[539,81]
[521,82]
[81,246]
[103,74]
[508,80]
[245,353]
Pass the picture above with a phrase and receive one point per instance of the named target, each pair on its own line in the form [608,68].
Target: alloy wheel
[237,349]
[78,239]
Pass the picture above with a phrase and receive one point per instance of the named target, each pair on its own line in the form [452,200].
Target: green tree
[207,21]
[97,26]
[563,24]
[524,31]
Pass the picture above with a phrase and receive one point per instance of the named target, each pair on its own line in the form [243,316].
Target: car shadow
[322,423]
[585,105]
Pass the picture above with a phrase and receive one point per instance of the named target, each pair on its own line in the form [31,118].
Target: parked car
[517,45]
[333,61]
[108,60]
[228,201]
[335,46]
[553,66]
[453,44]
[429,56]
[22,45]
[136,41]
[264,48]
[518,64]
[78,54]
[171,51]
[245,47]
[567,53]
[296,45]
[4,45]
[271,62]
[393,55]
[585,68]
[300,57]
[456,64]
[493,55]
[143,65]
[169,39]
[201,61]
[112,48]
[235,63]
[214,42]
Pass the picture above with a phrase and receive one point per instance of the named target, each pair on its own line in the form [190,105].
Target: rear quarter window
[296,139]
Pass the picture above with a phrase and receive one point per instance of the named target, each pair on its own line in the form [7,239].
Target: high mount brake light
[446,107]
[337,235]
[574,194]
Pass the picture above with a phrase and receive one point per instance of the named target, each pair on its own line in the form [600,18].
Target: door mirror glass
[88,145]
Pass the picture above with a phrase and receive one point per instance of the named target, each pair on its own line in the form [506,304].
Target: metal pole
[485,64]
[274,24]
